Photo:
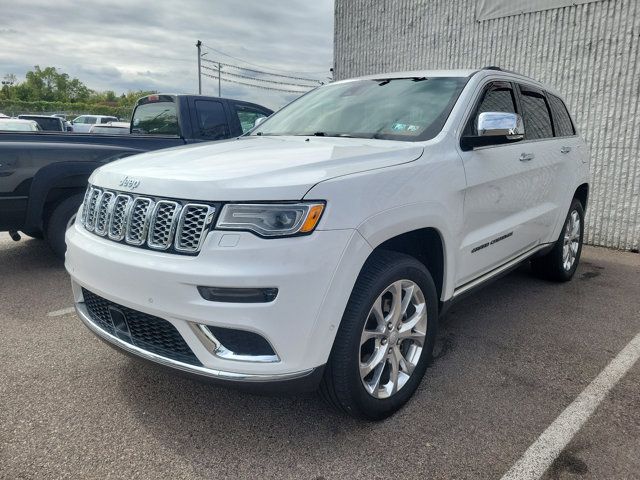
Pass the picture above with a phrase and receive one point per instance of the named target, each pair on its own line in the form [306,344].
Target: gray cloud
[121,45]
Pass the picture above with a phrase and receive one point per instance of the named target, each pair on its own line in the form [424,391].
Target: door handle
[565,149]
[525,157]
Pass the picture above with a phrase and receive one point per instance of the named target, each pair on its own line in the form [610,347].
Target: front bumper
[299,381]
[314,276]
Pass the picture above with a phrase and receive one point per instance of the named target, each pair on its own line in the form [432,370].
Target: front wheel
[385,339]
[562,261]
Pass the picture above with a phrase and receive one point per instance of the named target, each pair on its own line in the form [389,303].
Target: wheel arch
[421,230]
[582,194]
[425,245]
[52,184]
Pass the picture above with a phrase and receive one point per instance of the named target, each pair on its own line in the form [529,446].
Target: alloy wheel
[393,338]
[571,241]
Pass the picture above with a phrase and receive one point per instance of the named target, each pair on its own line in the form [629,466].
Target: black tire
[342,386]
[34,234]
[552,265]
[56,226]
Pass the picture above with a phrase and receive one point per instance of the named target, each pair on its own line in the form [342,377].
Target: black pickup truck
[43,174]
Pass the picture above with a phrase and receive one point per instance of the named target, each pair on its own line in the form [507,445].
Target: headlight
[271,220]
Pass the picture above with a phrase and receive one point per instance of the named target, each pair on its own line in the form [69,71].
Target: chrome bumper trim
[81,310]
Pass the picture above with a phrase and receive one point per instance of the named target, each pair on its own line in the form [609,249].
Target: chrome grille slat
[104,209]
[175,226]
[194,220]
[85,202]
[138,220]
[94,197]
[118,221]
[163,224]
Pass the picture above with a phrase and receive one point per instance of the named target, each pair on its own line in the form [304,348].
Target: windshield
[407,109]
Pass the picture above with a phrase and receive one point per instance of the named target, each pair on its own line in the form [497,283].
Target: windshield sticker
[404,127]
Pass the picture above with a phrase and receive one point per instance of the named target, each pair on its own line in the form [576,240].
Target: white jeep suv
[320,249]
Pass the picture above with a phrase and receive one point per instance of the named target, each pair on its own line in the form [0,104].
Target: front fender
[398,220]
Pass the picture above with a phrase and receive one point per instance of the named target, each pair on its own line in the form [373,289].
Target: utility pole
[219,68]
[199,44]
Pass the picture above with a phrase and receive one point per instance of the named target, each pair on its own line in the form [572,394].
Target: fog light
[238,295]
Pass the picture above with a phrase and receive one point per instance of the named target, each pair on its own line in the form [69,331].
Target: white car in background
[112,128]
[18,125]
[83,123]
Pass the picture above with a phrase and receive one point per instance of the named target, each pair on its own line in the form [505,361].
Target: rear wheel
[62,217]
[561,262]
[385,340]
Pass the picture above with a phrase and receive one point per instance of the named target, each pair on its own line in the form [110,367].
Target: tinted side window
[248,116]
[537,121]
[564,126]
[212,121]
[90,120]
[497,97]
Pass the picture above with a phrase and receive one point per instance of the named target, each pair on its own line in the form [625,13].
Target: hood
[251,168]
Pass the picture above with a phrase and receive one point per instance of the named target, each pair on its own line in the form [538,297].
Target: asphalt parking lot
[510,359]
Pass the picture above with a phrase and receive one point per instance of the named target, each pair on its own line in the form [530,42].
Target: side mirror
[258,121]
[495,128]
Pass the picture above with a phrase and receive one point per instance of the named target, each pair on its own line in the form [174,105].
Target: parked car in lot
[47,123]
[43,175]
[321,249]
[83,123]
[17,125]
[112,128]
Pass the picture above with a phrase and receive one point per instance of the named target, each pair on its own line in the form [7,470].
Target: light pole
[198,45]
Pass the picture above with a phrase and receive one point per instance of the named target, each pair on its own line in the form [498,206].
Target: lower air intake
[147,332]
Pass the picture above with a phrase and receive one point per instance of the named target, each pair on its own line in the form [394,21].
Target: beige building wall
[589,52]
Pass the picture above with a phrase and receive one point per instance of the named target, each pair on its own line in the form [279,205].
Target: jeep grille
[177,226]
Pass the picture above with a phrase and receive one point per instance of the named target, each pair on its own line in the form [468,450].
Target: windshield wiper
[325,134]
[386,81]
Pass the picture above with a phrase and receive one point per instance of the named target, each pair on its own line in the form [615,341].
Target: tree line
[47,90]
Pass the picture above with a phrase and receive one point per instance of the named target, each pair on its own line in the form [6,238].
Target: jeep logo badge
[130,183]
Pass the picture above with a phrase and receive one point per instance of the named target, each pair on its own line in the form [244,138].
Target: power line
[261,72]
[237,75]
[256,65]
[253,85]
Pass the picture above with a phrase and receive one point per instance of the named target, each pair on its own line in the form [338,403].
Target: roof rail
[492,67]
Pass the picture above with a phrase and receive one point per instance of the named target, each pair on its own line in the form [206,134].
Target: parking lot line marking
[541,454]
[59,313]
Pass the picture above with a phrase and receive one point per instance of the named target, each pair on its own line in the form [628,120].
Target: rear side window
[212,121]
[497,97]
[155,118]
[564,125]
[537,121]
[247,116]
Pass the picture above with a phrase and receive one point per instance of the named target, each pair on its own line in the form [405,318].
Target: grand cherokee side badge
[130,183]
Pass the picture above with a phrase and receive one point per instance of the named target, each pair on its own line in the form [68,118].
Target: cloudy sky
[122,45]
